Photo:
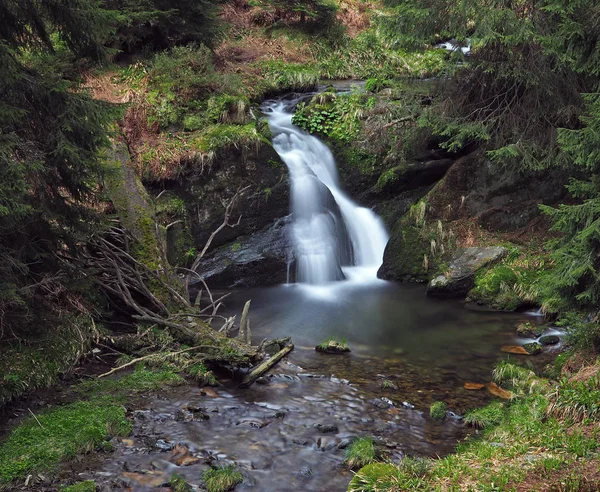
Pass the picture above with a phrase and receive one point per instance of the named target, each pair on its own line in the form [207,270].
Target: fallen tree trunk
[266,366]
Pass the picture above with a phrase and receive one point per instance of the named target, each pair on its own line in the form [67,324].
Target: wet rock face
[256,260]
[500,200]
[460,276]
[204,190]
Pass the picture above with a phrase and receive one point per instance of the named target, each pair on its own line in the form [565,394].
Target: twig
[36,419]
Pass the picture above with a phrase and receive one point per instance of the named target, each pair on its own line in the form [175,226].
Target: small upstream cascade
[334,239]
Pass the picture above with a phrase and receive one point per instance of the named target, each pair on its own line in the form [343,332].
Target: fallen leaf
[514,349]
[474,386]
[495,390]
[147,480]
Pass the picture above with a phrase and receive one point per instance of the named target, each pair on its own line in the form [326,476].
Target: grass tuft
[221,479]
[360,452]
[488,416]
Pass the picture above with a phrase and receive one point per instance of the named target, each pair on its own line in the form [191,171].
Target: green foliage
[360,452]
[512,283]
[574,280]
[178,484]
[437,410]
[532,61]
[221,479]
[144,25]
[40,362]
[279,77]
[576,401]
[51,136]
[59,434]
[336,117]
[487,416]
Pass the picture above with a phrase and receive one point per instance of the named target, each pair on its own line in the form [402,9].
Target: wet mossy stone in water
[437,411]
[549,340]
[333,347]
[533,348]
[529,330]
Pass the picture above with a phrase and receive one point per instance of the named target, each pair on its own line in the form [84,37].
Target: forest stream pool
[290,433]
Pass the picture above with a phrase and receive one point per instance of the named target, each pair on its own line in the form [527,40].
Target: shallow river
[290,433]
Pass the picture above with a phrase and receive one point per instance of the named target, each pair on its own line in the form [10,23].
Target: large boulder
[459,278]
[260,259]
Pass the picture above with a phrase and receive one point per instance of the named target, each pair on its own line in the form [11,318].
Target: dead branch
[229,205]
[154,355]
[266,366]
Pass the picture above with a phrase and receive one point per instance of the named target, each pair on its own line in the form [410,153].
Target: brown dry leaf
[149,479]
[210,392]
[514,349]
[474,386]
[495,390]
[186,461]
[181,456]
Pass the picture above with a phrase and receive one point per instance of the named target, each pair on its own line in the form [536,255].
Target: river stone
[549,340]
[326,428]
[333,347]
[529,330]
[533,348]
[460,276]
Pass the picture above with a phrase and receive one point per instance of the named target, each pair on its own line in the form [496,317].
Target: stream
[289,432]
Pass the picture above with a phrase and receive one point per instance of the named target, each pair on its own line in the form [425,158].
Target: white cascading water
[333,237]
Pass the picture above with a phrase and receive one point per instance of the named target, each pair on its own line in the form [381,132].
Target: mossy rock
[533,348]
[437,411]
[404,254]
[529,330]
[549,340]
[333,347]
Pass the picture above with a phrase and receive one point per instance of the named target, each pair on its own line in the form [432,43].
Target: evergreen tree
[575,279]
[51,134]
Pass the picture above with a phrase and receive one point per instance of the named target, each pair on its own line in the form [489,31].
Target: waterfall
[333,237]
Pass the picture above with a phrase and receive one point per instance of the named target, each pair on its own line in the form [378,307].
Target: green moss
[140,380]
[87,486]
[437,411]
[511,283]
[58,434]
[40,363]
[333,345]
[360,452]
[221,479]
[533,348]
[407,251]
